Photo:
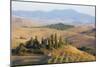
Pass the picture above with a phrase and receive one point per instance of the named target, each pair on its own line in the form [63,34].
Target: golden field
[79,36]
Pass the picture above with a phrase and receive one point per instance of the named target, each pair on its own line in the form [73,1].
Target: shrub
[88,50]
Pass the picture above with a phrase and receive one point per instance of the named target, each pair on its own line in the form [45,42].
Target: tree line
[52,42]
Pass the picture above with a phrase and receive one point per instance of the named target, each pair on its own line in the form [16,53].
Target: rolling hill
[62,55]
[79,36]
[70,54]
[22,22]
[91,32]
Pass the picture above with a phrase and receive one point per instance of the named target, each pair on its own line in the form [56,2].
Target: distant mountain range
[68,16]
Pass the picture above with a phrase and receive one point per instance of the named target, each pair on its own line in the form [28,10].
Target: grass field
[74,38]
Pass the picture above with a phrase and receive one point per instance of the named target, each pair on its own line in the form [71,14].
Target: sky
[31,6]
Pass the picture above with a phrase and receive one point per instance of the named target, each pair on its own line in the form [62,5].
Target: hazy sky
[30,6]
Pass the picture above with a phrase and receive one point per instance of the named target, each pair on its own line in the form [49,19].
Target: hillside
[73,34]
[81,41]
[65,54]
[53,49]
[91,32]
[23,22]
[70,54]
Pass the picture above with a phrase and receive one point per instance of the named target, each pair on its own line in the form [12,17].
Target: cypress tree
[42,43]
[36,43]
[45,42]
[49,44]
[60,42]
[31,41]
[55,40]
[52,40]
[67,41]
